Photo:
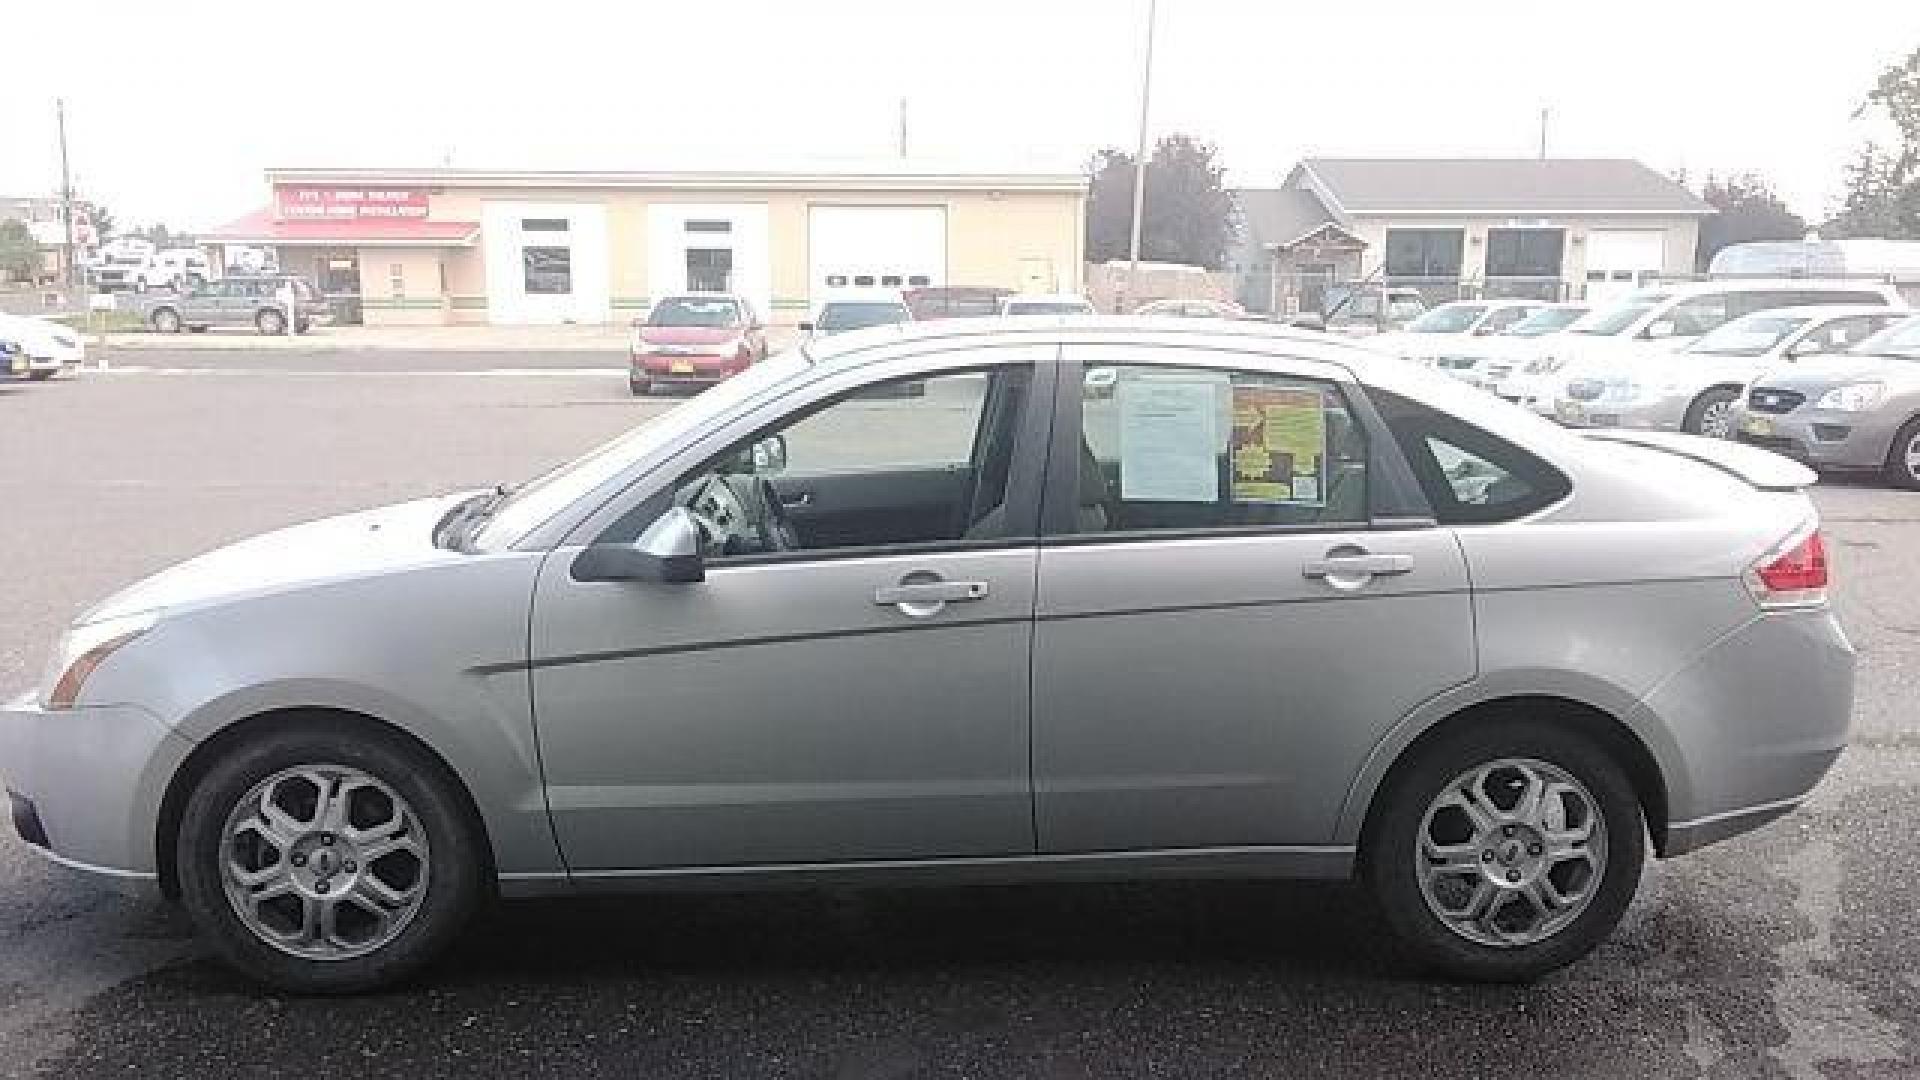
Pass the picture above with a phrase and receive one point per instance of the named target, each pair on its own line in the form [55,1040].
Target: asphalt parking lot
[1784,953]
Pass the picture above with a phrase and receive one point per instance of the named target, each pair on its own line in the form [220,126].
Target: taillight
[1792,575]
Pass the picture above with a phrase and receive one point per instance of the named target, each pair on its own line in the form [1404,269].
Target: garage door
[875,247]
[1621,260]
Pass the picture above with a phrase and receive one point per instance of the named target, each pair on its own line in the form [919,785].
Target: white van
[178,269]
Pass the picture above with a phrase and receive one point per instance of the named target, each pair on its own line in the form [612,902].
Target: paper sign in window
[1169,440]
[1279,445]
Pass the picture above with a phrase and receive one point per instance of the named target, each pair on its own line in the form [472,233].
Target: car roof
[1231,335]
[865,296]
[1718,285]
[1832,311]
[1045,298]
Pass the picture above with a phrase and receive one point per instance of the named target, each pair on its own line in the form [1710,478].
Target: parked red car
[694,339]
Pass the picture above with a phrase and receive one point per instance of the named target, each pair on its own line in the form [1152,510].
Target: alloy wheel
[324,862]
[1511,852]
[1716,420]
[1911,458]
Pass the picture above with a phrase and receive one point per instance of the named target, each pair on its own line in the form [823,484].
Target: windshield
[1543,321]
[693,311]
[534,503]
[1613,320]
[1901,341]
[1448,319]
[838,318]
[1750,336]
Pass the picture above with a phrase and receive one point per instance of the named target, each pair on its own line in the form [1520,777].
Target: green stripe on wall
[469,303]
[390,304]
[627,303]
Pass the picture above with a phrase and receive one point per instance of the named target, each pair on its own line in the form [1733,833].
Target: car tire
[41,376]
[366,774]
[164,321]
[1500,868]
[1903,457]
[270,323]
[1711,414]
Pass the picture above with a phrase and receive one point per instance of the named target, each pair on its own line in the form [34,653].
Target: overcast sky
[174,108]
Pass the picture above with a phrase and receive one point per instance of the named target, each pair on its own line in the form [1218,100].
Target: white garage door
[545,262]
[1621,260]
[875,247]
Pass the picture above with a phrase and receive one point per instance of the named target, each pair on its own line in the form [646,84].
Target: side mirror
[1661,329]
[806,328]
[669,550]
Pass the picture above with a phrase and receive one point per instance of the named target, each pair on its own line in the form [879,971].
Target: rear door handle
[798,502]
[1352,566]
[929,593]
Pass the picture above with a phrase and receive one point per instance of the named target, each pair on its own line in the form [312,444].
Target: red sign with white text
[348,203]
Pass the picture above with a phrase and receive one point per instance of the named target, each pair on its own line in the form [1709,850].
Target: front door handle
[919,593]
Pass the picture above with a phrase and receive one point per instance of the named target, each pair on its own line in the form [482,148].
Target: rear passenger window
[1468,475]
[1187,448]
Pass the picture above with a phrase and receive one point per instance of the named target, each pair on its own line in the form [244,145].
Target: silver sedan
[1856,411]
[1272,606]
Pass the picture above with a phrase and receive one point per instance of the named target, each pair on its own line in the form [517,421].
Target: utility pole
[903,127]
[71,279]
[1140,164]
[1543,133]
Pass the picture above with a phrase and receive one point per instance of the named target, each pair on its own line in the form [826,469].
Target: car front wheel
[1506,850]
[323,860]
[1903,457]
[270,322]
[1711,414]
[166,321]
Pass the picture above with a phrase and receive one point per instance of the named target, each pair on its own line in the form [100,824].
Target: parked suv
[238,301]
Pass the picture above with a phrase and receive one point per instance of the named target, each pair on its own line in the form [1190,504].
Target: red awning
[262,227]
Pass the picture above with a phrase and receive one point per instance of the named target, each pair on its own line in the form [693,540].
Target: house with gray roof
[1552,228]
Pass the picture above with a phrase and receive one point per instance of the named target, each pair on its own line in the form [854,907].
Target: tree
[19,251]
[164,237]
[102,221]
[1883,185]
[1749,210]
[1188,216]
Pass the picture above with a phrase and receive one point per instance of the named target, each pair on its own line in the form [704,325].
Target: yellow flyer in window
[1279,444]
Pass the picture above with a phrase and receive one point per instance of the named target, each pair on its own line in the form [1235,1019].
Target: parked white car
[178,269]
[1697,389]
[49,347]
[1487,360]
[1444,338]
[1671,317]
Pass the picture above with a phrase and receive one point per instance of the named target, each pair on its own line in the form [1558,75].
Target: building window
[543,224]
[865,281]
[1525,252]
[397,281]
[1424,253]
[891,281]
[919,281]
[836,281]
[548,270]
[709,269]
[710,226]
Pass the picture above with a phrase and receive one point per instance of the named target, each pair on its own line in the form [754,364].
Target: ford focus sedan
[1275,606]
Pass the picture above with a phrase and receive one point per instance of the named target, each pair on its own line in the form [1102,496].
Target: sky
[176,108]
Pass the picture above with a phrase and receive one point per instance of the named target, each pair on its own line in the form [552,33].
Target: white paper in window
[1169,440]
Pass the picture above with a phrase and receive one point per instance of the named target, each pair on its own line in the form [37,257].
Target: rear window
[837,318]
[1468,475]
[693,311]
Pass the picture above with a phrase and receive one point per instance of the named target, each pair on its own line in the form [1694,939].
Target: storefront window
[549,270]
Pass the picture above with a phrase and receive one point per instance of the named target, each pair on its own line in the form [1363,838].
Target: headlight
[1853,397]
[83,649]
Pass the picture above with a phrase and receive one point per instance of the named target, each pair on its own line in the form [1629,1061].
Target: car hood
[1590,356]
[1817,374]
[688,335]
[35,333]
[351,545]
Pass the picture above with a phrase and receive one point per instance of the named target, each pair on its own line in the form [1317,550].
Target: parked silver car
[238,301]
[1853,411]
[1276,607]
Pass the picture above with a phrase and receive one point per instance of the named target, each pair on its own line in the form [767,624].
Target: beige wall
[419,298]
[1680,235]
[989,234]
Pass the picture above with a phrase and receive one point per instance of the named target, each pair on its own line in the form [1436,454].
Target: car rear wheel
[320,860]
[1711,414]
[41,376]
[270,322]
[165,321]
[1903,457]
[1505,850]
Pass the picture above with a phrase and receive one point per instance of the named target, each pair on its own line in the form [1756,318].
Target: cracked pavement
[1784,953]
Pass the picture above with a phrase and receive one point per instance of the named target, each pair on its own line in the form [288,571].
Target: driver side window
[907,463]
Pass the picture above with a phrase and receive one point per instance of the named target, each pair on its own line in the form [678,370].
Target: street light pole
[1140,163]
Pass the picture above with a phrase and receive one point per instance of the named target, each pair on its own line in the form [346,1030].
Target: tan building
[1553,229]
[456,245]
